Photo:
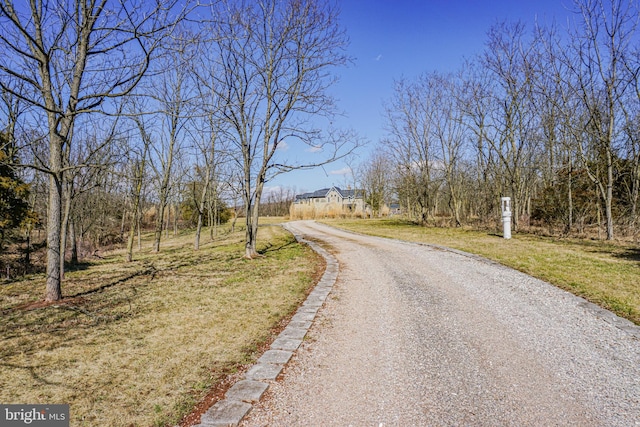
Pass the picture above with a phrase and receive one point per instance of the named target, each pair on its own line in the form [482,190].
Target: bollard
[505,206]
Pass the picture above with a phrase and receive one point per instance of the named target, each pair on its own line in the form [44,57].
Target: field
[607,274]
[142,343]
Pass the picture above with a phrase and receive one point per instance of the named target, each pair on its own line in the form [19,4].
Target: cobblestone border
[240,398]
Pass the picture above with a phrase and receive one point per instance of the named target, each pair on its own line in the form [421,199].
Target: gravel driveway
[418,336]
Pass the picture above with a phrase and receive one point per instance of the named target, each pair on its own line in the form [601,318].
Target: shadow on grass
[150,270]
[32,372]
[277,248]
[625,253]
[630,254]
[78,266]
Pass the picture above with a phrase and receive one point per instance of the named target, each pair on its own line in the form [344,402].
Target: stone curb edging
[239,399]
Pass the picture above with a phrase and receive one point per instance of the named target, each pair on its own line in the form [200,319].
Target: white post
[505,205]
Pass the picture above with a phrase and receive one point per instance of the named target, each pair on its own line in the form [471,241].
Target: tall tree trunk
[599,212]
[139,230]
[201,210]
[253,213]
[609,197]
[570,198]
[54,221]
[210,218]
[74,242]
[27,250]
[235,219]
[456,211]
[196,243]
[159,224]
[68,199]
[176,210]
[130,238]
[164,195]
[123,221]
[134,221]
[168,221]
[216,216]
[212,206]
[634,196]
[252,233]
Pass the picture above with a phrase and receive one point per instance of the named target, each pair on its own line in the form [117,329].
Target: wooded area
[120,113]
[546,115]
[118,116]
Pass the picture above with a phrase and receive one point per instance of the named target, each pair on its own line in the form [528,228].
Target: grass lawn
[141,343]
[605,273]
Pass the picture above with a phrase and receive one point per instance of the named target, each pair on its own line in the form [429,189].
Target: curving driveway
[414,335]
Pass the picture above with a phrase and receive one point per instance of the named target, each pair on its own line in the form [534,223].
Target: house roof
[323,193]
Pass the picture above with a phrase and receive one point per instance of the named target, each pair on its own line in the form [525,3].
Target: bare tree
[450,134]
[632,155]
[233,188]
[206,173]
[426,138]
[410,143]
[513,128]
[474,100]
[171,94]
[560,112]
[375,175]
[74,58]
[92,155]
[275,63]
[137,158]
[278,201]
[597,76]
[209,140]
[631,109]
[12,107]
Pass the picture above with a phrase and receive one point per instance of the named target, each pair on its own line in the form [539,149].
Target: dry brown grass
[321,211]
[139,344]
[606,273]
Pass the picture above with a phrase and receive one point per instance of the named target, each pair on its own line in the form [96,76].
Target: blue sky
[404,38]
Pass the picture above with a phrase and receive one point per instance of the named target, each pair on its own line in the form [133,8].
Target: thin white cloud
[282,146]
[343,171]
[379,57]
[313,149]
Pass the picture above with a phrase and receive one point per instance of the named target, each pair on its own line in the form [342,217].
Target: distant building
[395,209]
[330,202]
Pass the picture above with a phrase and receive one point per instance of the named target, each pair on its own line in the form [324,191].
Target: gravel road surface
[414,335]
